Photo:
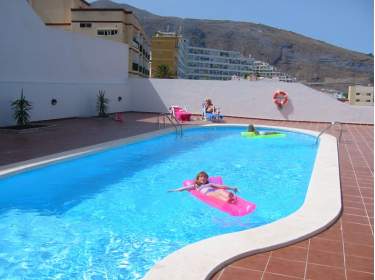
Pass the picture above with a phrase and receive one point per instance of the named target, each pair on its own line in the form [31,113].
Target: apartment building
[214,64]
[197,63]
[112,24]
[57,13]
[168,48]
[118,25]
[361,95]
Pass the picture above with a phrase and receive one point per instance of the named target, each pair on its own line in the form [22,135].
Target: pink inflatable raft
[240,208]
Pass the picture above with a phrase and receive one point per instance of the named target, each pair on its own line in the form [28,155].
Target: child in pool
[251,128]
[210,189]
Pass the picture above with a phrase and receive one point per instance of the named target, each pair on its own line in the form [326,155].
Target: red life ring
[280,98]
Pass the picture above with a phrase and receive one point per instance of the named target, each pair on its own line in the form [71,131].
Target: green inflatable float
[248,134]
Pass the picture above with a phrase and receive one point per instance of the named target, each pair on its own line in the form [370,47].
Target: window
[357,100]
[368,100]
[357,93]
[85,25]
[368,94]
[107,32]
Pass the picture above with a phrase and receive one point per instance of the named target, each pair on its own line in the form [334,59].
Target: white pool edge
[202,259]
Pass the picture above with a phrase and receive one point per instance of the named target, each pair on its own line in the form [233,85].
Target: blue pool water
[108,215]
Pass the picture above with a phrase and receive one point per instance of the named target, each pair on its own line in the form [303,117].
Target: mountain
[311,61]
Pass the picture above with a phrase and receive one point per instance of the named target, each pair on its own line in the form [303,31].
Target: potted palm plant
[21,108]
[102,104]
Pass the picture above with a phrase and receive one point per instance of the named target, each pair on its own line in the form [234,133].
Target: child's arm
[185,188]
[235,189]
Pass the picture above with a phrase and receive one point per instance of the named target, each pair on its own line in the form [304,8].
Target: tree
[163,72]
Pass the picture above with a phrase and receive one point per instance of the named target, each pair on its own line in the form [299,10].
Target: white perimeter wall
[246,99]
[49,63]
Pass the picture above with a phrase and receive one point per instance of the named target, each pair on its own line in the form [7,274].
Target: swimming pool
[108,214]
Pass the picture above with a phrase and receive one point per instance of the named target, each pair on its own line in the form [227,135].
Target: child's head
[201,178]
[251,128]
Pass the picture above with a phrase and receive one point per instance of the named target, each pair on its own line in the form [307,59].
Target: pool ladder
[172,119]
[328,127]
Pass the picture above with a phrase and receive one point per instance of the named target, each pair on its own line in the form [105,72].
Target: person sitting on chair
[209,110]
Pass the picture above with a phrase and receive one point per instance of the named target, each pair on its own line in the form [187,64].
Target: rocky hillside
[311,61]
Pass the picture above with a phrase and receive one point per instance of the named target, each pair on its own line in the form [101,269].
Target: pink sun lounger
[240,208]
[180,113]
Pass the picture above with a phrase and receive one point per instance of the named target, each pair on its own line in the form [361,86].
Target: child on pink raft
[210,189]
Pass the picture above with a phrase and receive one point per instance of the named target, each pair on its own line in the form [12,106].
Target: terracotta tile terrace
[344,251]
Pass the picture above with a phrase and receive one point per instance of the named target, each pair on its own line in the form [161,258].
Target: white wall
[49,63]
[246,99]
[73,99]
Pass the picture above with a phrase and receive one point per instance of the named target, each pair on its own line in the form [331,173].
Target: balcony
[135,43]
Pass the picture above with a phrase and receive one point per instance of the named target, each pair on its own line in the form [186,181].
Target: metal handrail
[172,119]
[328,127]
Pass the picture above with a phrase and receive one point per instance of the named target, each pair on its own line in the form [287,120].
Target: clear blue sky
[345,23]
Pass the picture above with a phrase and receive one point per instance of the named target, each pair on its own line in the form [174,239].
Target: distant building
[187,62]
[113,24]
[57,13]
[361,95]
[168,48]
[214,64]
